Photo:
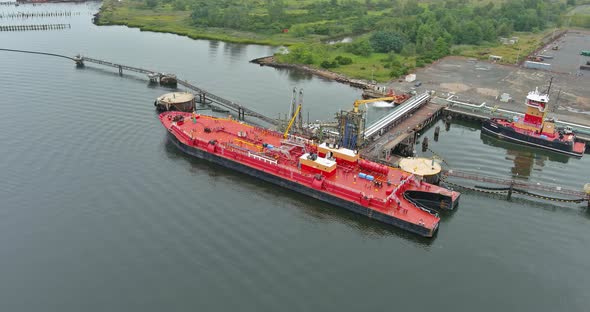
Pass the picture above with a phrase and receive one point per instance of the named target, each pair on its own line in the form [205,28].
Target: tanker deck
[325,172]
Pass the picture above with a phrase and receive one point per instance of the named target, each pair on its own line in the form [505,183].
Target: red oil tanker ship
[326,172]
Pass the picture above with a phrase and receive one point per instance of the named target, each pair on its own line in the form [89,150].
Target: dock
[402,136]
[400,127]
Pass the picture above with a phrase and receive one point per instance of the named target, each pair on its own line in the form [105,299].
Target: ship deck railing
[265,159]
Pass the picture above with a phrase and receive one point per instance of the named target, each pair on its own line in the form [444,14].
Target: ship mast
[300,116]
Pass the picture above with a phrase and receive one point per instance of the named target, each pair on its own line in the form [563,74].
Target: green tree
[200,13]
[151,3]
[360,47]
[385,41]
[409,49]
[471,33]
[275,10]
[441,48]
[301,53]
[488,30]
[179,5]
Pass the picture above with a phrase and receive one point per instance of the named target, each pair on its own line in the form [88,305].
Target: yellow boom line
[286,134]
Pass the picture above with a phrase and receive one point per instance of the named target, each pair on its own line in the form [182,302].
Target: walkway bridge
[506,186]
[163,78]
[204,94]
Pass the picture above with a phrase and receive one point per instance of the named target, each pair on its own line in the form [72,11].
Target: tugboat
[535,129]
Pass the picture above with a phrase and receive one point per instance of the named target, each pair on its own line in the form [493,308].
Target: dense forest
[456,21]
[400,29]
[407,27]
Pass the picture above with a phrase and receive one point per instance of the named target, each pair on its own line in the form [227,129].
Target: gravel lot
[477,81]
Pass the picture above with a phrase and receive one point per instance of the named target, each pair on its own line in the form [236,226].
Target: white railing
[266,160]
[298,139]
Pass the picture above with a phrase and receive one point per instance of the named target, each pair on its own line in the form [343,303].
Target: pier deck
[405,130]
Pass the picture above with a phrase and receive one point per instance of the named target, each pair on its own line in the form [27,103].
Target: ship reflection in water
[525,158]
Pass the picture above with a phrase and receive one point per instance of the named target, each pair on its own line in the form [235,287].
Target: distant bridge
[155,76]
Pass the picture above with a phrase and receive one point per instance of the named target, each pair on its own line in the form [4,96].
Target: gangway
[543,191]
[398,113]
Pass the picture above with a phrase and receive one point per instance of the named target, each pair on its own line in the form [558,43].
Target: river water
[99,212]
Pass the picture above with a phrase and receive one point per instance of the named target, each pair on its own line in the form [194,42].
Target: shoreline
[200,36]
[270,61]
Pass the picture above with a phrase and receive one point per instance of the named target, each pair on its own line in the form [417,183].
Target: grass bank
[167,20]
[379,67]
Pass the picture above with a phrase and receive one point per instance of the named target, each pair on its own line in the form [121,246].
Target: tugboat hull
[509,134]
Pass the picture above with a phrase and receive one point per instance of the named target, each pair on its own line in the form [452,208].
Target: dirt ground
[477,81]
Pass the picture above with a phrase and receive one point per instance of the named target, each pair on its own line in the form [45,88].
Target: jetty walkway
[167,79]
[35,27]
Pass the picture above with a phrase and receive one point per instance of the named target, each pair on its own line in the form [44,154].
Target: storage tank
[176,101]
[427,168]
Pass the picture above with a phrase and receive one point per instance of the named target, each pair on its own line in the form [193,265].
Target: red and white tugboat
[535,129]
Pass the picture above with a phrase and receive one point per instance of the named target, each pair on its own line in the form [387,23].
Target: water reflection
[235,50]
[318,210]
[295,76]
[213,48]
[525,159]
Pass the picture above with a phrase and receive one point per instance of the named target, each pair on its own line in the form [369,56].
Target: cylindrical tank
[177,101]
[426,168]
[375,167]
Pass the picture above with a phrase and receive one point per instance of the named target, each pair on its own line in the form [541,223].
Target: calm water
[98,212]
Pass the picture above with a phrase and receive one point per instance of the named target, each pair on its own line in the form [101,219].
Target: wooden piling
[436,133]
[424,144]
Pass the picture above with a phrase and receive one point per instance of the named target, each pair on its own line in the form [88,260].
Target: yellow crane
[286,134]
[357,103]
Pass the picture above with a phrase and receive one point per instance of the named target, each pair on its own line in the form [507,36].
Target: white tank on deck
[427,168]
[178,101]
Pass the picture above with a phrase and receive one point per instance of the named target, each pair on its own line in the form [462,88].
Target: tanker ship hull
[354,207]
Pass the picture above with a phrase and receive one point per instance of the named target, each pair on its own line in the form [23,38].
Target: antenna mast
[293,103]
[300,117]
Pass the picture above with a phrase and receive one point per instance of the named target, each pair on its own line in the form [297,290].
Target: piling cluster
[7,3]
[39,14]
[35,27]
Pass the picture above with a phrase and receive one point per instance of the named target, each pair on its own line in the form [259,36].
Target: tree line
[405,27]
